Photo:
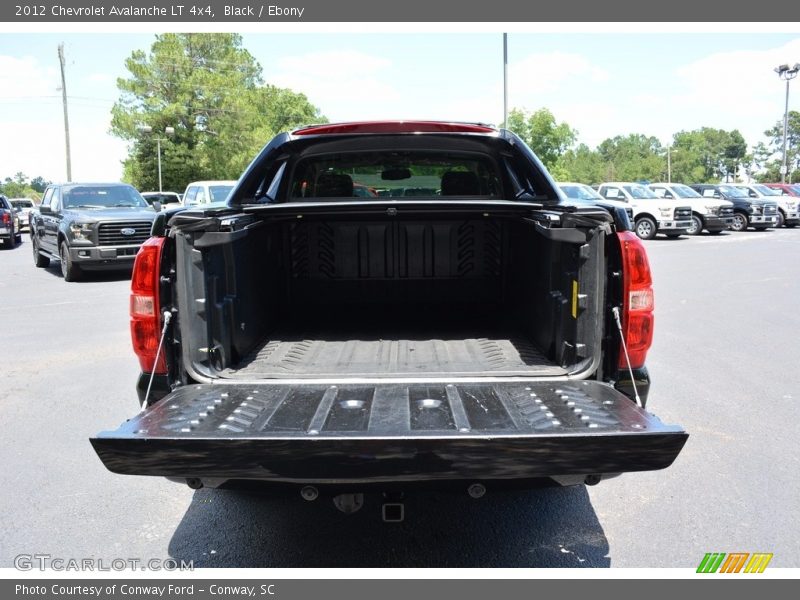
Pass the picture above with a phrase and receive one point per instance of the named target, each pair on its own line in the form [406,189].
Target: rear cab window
[413,174]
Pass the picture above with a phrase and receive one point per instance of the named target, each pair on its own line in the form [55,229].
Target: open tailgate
[389,432]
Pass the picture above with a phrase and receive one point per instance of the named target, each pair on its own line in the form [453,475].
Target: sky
[602,84]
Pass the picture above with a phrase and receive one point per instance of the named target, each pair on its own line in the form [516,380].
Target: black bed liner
[390,432]
[292,355]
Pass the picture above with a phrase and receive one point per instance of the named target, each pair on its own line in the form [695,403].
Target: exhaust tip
[592,479]
[194,483]
[393,512]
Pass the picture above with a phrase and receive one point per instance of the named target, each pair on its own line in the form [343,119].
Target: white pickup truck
[788,207]
[712,214]
[651,215]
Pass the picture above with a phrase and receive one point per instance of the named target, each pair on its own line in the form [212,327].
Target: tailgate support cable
[615,310]
[167,318]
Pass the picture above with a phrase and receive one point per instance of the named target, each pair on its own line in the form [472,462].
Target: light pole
[787,74]
[167,131]
[669,163]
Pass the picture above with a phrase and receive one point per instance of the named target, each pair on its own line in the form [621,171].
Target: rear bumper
[390,433]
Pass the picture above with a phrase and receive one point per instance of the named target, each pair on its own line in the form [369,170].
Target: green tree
[634,157]
[210,90]
[707,155]
[39,184]
[547,138]
[19,187]
[772,152]
[583,165]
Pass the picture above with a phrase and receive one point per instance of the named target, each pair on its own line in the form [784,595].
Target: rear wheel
[69,270]
[39,259]
[646,228]
[696,226]
[740,222]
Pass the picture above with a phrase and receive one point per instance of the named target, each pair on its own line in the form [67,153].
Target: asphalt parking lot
[724,365]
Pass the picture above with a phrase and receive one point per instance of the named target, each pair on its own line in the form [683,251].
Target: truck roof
[390,127]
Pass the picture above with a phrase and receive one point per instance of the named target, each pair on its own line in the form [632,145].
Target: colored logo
[127,231]
[734,562]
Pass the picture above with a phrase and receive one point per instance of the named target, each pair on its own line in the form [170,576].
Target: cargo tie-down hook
[167,319]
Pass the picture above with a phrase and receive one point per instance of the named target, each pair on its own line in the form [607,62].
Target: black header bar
[408,11]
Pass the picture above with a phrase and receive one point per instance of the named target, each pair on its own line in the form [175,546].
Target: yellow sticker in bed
[574,299]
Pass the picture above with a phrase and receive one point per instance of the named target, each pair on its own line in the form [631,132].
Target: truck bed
[326,433]
[327,354]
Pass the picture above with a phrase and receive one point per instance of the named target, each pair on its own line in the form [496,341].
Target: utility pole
[505,80]
[669,165]
[66,115]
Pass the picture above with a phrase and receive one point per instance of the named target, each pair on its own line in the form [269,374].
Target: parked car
[747,212]
[207,192]
[651,215]
[9,224]
[580,192]
[712,214]
[23,206]
[165,199]
[90,226]
[786,189]
[473,338]
[788,211]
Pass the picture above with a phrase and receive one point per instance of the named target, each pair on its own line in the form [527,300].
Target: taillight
[6,218]
[145,306]
[637,300]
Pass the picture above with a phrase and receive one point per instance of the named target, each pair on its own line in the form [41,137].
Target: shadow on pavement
[550,527]
[91,276]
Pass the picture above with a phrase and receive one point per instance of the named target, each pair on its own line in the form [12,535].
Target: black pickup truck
[307,338]
[90,226]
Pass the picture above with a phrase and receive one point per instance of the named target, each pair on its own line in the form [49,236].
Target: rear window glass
[219,192]
[395,175]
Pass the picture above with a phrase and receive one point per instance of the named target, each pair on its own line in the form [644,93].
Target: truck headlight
[666,212]
[711,210]
[80,231]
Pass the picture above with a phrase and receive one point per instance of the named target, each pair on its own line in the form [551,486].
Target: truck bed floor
[364,354]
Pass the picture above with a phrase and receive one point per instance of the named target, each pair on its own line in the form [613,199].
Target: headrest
[334,185]
[460,183]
